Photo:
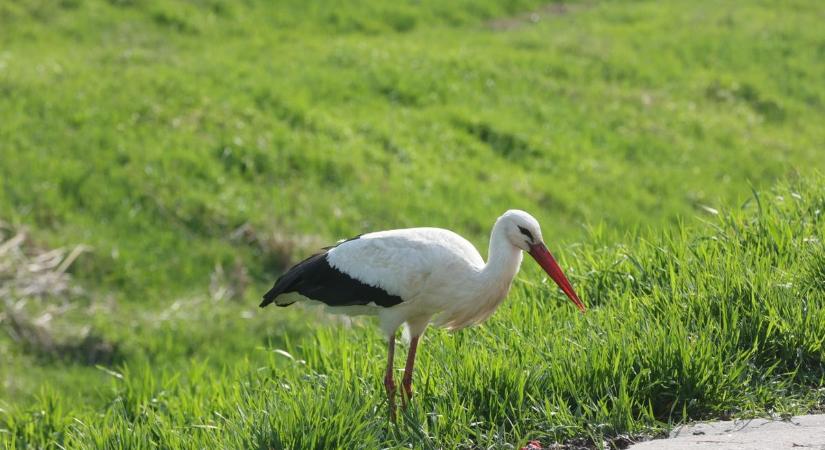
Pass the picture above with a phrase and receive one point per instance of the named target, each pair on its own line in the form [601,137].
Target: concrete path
[800,433]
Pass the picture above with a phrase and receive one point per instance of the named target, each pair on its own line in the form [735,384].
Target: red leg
[408,371]
[388,383]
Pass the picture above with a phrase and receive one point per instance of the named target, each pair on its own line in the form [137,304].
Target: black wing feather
[315,278]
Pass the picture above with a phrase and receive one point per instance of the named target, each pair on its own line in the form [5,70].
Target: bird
[416,277]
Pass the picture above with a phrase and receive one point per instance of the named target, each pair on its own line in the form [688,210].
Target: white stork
[416,276]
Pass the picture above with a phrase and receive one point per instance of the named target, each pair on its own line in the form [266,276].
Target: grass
[725,319]
[154,142]
[199,147]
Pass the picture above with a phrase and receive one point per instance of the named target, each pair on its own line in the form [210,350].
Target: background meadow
[161,162]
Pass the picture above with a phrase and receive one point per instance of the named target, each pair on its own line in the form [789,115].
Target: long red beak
[542,256]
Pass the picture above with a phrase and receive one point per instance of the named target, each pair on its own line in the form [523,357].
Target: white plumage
[417,276]
[434,270]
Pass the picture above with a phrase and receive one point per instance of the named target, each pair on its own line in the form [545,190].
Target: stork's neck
[503,260]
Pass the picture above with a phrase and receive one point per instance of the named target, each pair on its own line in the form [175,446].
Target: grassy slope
[152,130]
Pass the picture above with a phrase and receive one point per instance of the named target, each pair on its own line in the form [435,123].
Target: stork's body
[417,276]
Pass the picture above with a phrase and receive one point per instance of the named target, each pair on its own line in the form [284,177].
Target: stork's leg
[408,371]
[388,383]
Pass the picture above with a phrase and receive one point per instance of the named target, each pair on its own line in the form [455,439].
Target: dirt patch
[536,16]
[36,292]
[619,442]
[229,283]
[27,271]
[278,250]
[37,337]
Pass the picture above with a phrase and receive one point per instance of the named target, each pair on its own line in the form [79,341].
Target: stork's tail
[279,289]
[294,278]
[288,282]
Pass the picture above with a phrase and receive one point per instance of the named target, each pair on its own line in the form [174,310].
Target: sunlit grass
[154,142]
[693,323]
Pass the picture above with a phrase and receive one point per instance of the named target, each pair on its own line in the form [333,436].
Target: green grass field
[672,151]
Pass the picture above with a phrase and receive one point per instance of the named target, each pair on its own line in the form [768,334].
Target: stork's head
[524,232]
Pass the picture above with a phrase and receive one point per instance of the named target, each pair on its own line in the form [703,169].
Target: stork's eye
[526,232]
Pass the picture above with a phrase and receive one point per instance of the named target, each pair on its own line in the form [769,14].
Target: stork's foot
[390,386]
